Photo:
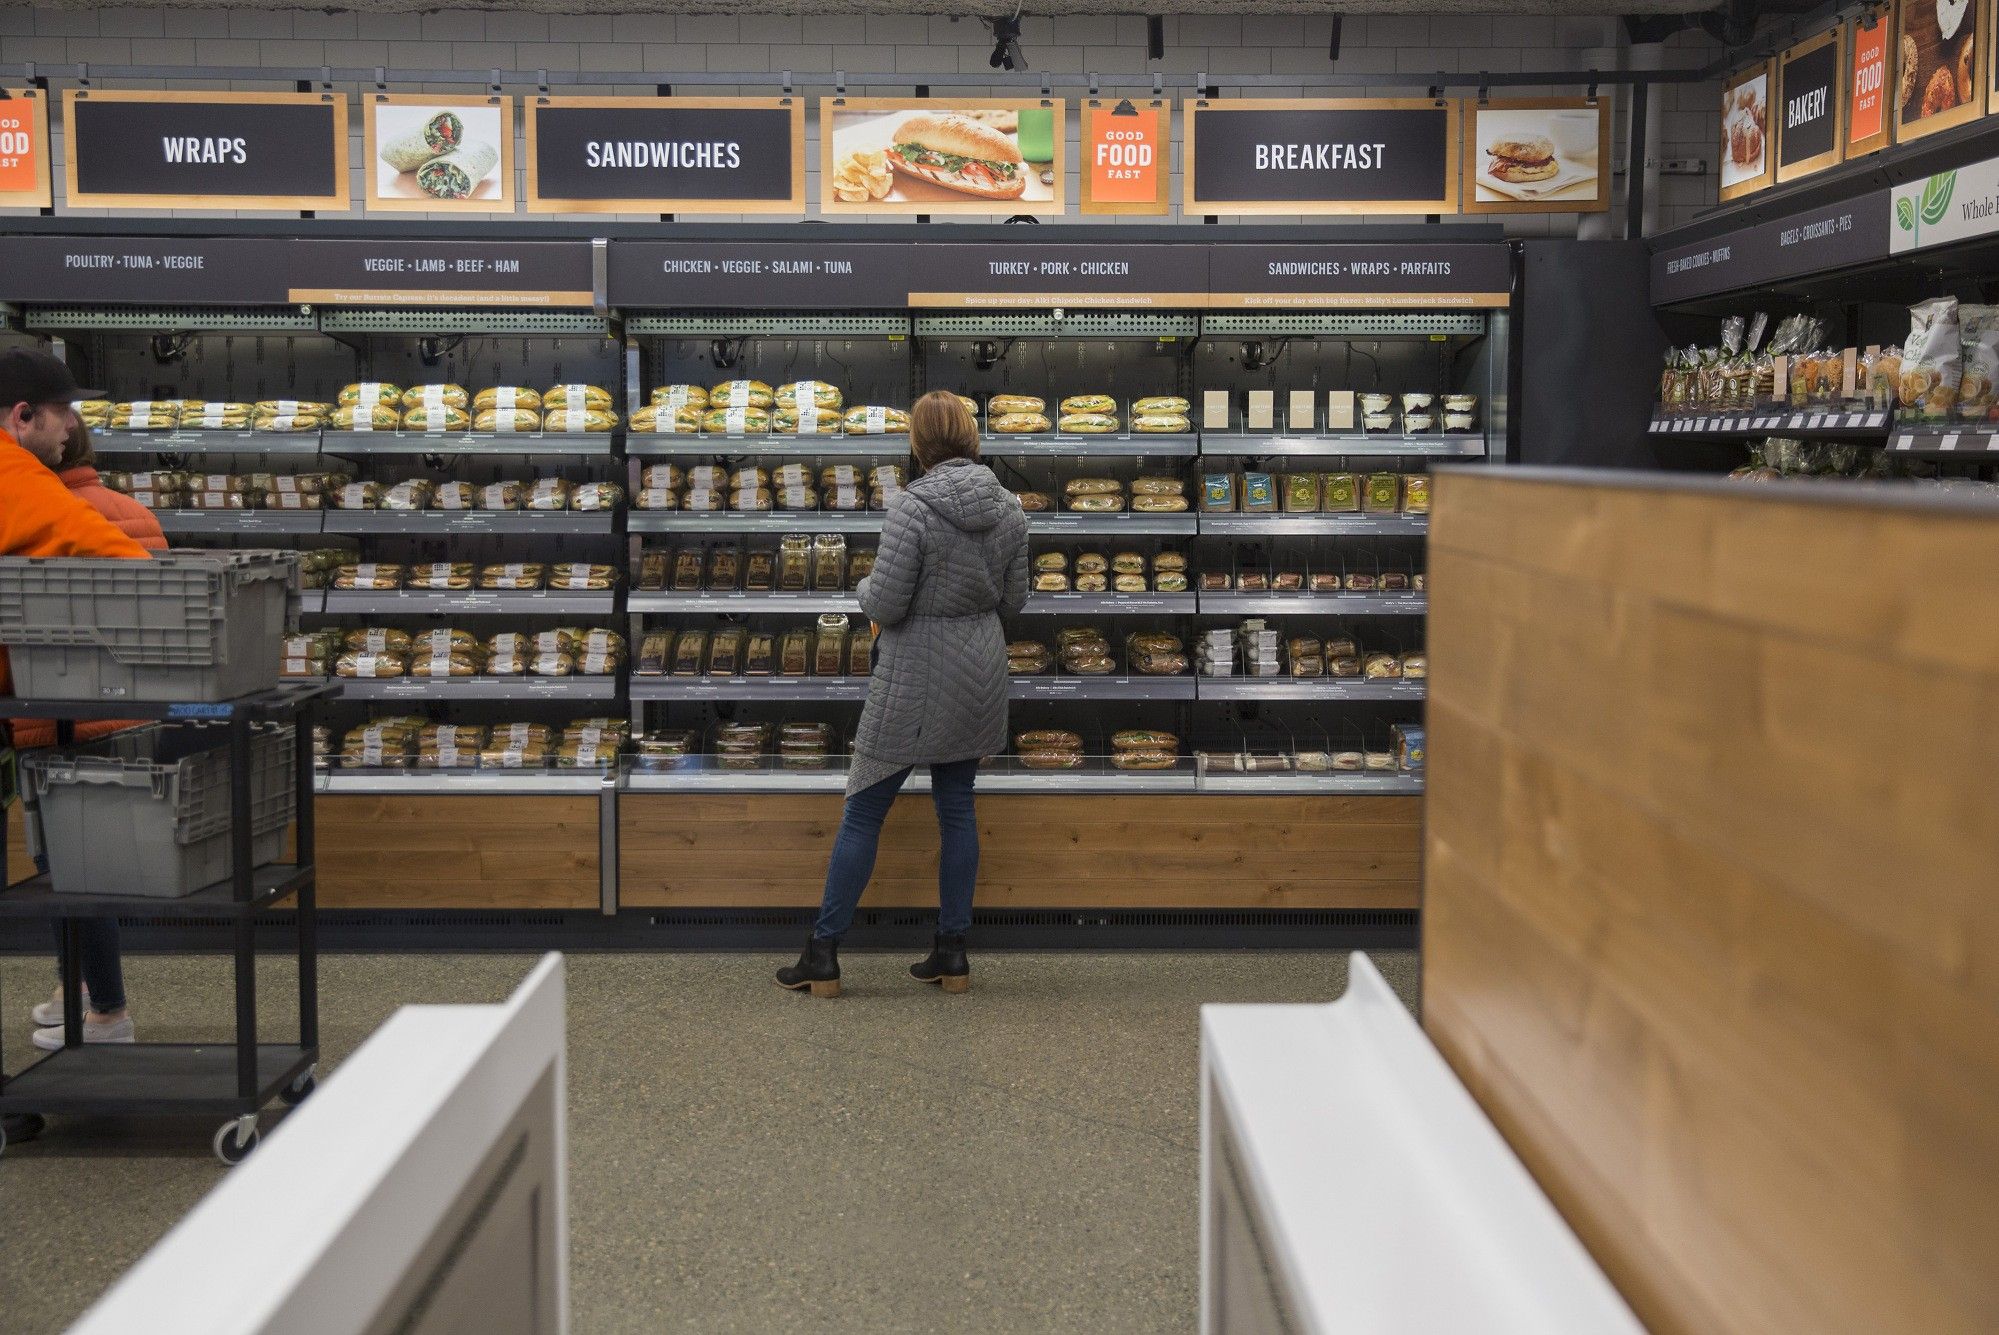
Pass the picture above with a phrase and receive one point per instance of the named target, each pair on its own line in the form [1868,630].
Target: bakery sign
[665,154]
[1809,109]
[153,150]
[1321,155]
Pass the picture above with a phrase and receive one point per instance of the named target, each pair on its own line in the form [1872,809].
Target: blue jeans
[853,860]
[97,943]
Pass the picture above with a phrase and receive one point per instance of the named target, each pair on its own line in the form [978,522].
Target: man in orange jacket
[39,516]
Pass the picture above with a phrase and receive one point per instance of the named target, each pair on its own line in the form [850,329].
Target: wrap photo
[455,175]
[440,134]
[428,151]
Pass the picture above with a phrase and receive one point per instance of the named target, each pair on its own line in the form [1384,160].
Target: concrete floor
[1022,1158]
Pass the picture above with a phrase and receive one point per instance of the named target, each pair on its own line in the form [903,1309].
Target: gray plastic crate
[146,811]
[186,626]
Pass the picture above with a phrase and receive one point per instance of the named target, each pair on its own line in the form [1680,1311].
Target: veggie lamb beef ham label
[901,155]
[131,149]
[666,155]
[1332,155]
[428,153]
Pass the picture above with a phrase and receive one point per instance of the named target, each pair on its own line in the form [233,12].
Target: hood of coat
[964,493]
[80,477]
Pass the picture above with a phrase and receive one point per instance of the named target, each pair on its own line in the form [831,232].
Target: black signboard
[1360,276]
[430,273]
[193,150]
[808,275]
[1339,155]
[664,155]
[1853,231]
[1809,109]
[135,270]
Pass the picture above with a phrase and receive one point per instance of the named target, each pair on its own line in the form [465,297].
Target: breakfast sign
[152,150]
[1321,156]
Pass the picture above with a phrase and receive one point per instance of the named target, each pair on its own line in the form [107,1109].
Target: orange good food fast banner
[24,151]
[1126,157]
[1867,87]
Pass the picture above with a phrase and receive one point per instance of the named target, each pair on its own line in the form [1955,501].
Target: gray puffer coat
[953,557]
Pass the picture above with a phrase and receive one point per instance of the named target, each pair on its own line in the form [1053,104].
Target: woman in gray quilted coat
[953,559]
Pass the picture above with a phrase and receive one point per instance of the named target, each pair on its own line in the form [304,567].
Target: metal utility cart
[235,1080]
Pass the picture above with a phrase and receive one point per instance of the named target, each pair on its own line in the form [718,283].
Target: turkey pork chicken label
[248,150]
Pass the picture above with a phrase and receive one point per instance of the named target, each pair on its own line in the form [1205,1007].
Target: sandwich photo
[961,154]
[1522,160]
[904,155]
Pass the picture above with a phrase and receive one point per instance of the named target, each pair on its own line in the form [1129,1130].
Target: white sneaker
[117,1031]
[50,1012]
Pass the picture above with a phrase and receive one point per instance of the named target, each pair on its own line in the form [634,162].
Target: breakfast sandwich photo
[1537,155]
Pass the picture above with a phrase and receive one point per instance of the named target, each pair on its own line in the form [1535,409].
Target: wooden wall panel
[457,852]
[1039,852]
[1711,908]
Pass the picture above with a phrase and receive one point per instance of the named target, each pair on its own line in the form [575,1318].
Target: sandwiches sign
[665,155]
[1333,155]
[206,150]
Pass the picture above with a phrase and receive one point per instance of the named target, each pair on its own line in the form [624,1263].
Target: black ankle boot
[946,965]
[818,968]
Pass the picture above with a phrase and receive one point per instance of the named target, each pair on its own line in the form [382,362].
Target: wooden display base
[1102,851]
[457,852]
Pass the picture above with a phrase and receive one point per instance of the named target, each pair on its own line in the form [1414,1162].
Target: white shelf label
[1949,442]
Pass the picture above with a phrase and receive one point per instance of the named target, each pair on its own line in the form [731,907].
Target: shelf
[1811,422]
[828,690]
[671,446]
[247,522]
[289,443]
[1296,782]
[1315,604]
[1085,324]
[279,702]
[735,604]
[762,521]
[1005,774]
[1309,688]
[33,898]
[1044,523]
[467,523]
[539,321]
[1939,442]
[1341,324]
[1110,604]
[114,1079]
[1136,444]
[1340,525]
[1465,445]
[1050,686]
[172,319]
[999,774]
[423,602]
[598,444]
[441,690]
[736,324]
[461,782]
[701,777]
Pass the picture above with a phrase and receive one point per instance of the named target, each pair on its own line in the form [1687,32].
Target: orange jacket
[40,516]
[134,520]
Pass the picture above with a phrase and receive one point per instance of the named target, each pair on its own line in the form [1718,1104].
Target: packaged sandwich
[813,393]
[570,421]
[436,396]
[736,421]
[742,394]
[1087,423]
[684,420]
[676,397]
[371,391]
[1089,404]
[442,575]
[365,417]
[573,398]
[507,398]
[875,420]
[1001,405]
[506,421]
[1160,404]
[1017,423]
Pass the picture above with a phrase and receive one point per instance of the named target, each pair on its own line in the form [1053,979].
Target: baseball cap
[29,376]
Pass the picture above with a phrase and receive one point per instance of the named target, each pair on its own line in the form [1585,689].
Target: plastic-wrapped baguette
[440,134]
[455,175]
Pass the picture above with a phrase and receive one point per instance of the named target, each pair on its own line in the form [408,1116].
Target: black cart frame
[237,1079]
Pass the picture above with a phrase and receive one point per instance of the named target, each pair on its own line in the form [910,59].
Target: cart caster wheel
[300,1089]
[235,1139]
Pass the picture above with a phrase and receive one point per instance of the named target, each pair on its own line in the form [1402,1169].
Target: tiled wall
[665,44]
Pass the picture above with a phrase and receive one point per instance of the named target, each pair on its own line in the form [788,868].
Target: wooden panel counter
[1711,908]
[1074,851]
